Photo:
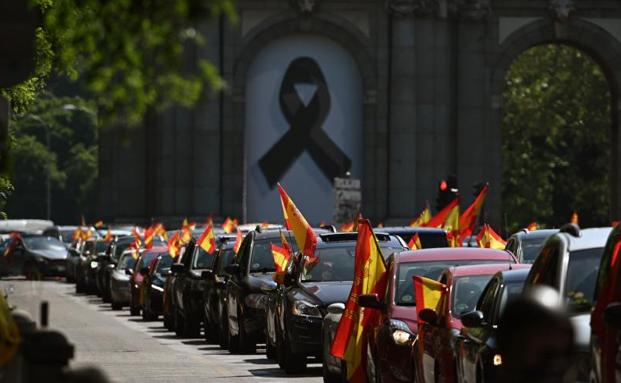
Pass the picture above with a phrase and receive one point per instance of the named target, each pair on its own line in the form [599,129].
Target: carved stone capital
[409,7]
[471,9]
[305,6]
[562,9]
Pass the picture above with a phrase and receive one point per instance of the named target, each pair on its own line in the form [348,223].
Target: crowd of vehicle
[231,297]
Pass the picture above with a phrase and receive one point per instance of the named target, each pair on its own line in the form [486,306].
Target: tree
[556,151]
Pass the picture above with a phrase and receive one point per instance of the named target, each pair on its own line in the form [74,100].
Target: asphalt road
[128,349]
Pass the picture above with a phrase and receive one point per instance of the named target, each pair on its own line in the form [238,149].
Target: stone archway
[581,34]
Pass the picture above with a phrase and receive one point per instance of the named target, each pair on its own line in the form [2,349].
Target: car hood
[50,254]
[255,282]
[582,330]
[326,293]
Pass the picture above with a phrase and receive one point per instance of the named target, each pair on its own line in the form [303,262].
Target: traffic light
[447,192]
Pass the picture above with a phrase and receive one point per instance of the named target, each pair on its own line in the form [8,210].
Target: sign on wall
[303,125]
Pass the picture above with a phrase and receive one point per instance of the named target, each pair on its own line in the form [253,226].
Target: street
[128,349]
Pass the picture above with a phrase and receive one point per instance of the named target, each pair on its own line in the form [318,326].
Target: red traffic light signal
[443,185]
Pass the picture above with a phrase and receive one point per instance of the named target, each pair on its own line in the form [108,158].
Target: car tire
[191,327]
[134,310]
[31,271]
[116,306]
[271,352]
[178,323]
[246,344]
[168,322]
[329,376]
[233,343]
[223,333]
[147,315]
[292,363]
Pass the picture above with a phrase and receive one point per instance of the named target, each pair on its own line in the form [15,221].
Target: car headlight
[401,333]
[94,264]
[497,360]
[157,288]
[256,301]
[305,309]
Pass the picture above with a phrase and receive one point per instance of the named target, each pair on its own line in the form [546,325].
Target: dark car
[136,279]
[214,295]
[153,291]
[169,304]
[107,262]
[606,314]
[569,262]
[526,244]
[429,237]
[86,271]
[35,256]
[62,233]
[295,318]
[188,289]
[434,349]
[477,354]
[119,280]
[391,340]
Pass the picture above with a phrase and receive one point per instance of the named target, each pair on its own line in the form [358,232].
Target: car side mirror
[429,316]
[206,274]
[336,308]
[612,315]
[144,271]
[233,269]
[129,271]
[371,301]
[166,272]
[473,319]
[176,267]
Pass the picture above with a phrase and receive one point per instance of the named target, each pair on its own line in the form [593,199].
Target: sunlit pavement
[128,349]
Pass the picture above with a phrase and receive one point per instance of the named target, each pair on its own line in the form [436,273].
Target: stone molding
[412,7]
[562,9]
[474,10]
[305,6]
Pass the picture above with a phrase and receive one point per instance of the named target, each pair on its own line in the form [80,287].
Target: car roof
[407,229]
[452,253]
[591,238]
[542,233]
[484,269]
[516,274]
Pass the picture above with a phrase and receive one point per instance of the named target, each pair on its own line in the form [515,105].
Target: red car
[391,339]
[434,349]
[141,269]
[606,315]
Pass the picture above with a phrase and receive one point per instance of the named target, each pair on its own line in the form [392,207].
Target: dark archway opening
[556,139]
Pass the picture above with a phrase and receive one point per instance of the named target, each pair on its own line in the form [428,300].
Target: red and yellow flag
[149,233]
[442,216]
[468,219]
[488,238]
[302,232]
[99,224]
[238,241]
[108,236]
[174,245]
[574,218]
[86,234]
[12,245]
[347,227]
[532,226]
[160,231]
[229,225]
[281,258]
[423,218]
[350,341]
[428,294]
[451,225]
[207,240]
[414,243]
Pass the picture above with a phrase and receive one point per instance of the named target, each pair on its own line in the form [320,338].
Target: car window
[43,243]
[510,292]
[202,259]
[164,263]
[487,299]
[335,264]
[512,246]
[127,261]
[545,267]
[581,278]
[431,240]
[67,235]
[609,258]
[261,259]
[120,248]
[466,293]
[145,259]
[531,248]
[226,257]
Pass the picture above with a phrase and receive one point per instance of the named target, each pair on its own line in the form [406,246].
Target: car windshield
[427,240]
[145,259]
[67,235]
[531,248]
[202,259]
[164,263]
[120,248]
[581,277]
[466,293]
[226,257]
[261,260]
[337,263]
[43,243]
[511,291]
[404,294]
[127,261]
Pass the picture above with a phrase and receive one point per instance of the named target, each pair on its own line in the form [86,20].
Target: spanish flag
[468,219]
[160,231]
[488,238]
[108,236]
[148,237]
[174,245]
[347,227]
[302,232]
[532,226]
[428,294]
[207,240]
[350,341]
[451,225]
[442,216]
[86,235]
[229,225]
[238,241]
[281,258]
[12,245]
[574,218]
[414,243]
[423,218]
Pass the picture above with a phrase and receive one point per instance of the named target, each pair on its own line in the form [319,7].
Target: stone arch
[333,27]
[590,38]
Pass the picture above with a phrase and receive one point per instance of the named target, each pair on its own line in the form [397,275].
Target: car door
[235,288]
[433,335]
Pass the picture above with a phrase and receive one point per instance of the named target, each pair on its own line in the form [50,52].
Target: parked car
[153,290]
[107,262]
[429,237]
[137,275]
[569,262]
[214,295]
[477,354]
[606,314]
[434,349]
[35,256]
[119,280]
[391,340]
[89,261]
[169,303]
[73,259]
[526,245]
[296,309]
[62,233]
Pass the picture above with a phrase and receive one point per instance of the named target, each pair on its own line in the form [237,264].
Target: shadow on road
[276,372]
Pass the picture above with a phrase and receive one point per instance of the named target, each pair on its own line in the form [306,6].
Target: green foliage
[72,158]
[556,155]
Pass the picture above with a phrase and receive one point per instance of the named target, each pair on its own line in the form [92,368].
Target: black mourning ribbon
[305,123]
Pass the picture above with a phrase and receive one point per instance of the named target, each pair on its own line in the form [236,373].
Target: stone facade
[432,76]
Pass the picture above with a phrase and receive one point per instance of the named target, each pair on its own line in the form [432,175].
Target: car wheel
[233,343]
[246,344]
[116,306]
[293,363]
[270,351]
[178,323]
[223,333]
[134,310]
[329,376]
[168,322]
[191,327]
[31,271]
